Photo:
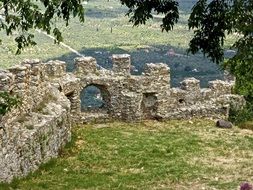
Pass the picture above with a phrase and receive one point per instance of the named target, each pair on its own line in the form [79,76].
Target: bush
[7,102]
[244,117]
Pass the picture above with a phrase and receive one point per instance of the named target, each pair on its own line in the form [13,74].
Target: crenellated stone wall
[148,96]
[34,132]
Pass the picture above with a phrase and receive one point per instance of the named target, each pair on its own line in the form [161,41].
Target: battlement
[52,102]
[121,64]
[86,65]
[156,69]
[118,83]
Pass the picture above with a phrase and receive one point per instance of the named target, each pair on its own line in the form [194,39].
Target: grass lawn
[148,155]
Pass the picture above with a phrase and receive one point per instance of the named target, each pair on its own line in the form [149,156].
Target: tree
[141,10]
[211,21]
[22,16]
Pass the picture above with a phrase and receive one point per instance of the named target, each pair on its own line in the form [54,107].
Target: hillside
[148,155]
[107,31]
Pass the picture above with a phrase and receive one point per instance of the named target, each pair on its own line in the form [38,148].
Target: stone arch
[97,93]
[74,100]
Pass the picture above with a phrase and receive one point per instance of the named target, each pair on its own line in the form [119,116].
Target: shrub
[7,102]
[244,115]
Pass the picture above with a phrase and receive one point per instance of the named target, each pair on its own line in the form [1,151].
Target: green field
[106,30]
[148,155]
[174,155]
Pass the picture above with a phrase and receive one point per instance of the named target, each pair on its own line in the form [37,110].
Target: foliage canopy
[7,102]
[211,21]
[20,16]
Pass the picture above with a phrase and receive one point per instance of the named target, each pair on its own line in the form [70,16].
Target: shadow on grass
[105,13]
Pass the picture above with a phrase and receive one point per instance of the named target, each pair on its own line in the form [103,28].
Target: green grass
[246,125]
[148,155]
[145,43]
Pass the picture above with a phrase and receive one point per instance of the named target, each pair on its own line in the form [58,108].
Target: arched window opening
[95,98]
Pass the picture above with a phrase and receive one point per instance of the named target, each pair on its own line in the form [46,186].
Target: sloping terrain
[191,154]
[106,31]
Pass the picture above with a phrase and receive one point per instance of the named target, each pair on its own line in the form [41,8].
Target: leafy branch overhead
[211,22]
[141,10]
[20,16]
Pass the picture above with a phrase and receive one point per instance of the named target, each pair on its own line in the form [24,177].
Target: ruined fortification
[51,104]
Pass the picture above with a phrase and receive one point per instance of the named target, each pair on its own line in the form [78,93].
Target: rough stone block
[55,68]
[158,75]
[20,72]
[35,67]
[86,65]
[190,84]
[156,69]
[6,80]
[224,124]
[220,87]
[121,64]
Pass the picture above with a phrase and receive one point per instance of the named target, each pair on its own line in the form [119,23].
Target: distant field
[173,155]
[106,31]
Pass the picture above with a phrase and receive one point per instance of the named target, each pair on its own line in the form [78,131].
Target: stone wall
[34,132]
[148,96]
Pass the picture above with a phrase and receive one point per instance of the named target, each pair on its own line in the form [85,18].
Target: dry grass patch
[191,154]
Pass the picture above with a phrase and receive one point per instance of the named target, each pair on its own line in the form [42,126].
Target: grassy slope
[94,38]
[148,155]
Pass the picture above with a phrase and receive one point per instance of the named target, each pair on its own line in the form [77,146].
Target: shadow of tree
[181,64]
[105,13]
